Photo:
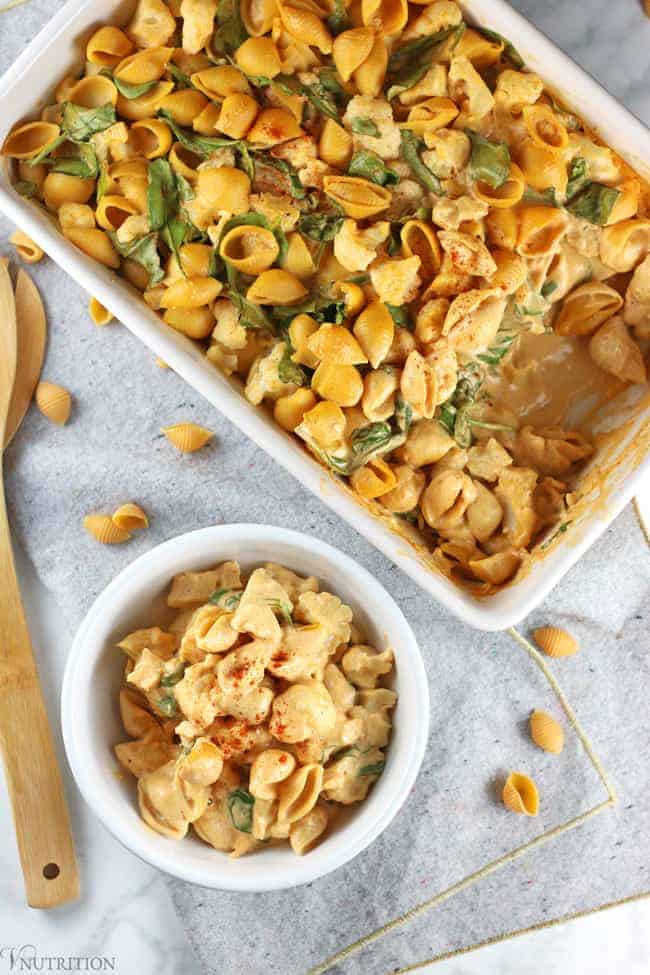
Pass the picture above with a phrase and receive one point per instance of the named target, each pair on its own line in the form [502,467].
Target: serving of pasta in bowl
[245,707]
[376,237]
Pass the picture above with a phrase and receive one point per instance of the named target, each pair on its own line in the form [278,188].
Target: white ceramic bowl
[91,723]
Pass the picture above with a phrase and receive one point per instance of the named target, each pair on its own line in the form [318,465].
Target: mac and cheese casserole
[383,224]
[257,714]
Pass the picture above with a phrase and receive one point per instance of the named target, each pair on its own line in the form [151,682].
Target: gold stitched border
[494,865]
[540,926]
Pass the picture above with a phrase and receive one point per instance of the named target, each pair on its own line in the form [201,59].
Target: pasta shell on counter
[187,437]
[54,402]
[26,248]
[520,794]
[546,732]
[555,642]
[104,530]
[99,314]
[130,517]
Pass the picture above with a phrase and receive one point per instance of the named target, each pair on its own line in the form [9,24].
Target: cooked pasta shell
[144,66]
[506,195]
[60,188]
[298,793]
[191,293]
[301,327]
[335,344]
[374,329]
[626,244]
[104,529]
[627,204]
[54,402]
[258,56]
[196,323]
[152,137]
[307,27]
[351,48]
[276,287]
[187,437]
[220,81]
[502,227]
[374,479]
[325,424]
[95,243]
[481,51]
[542,167]
[431,114]
[184,105]
[272,126]
[99,314]
[289,411]
[545,128]
[93,91]
[520,794]
[298,259]
[353,295]
[357,197]
[130,517]
[340,384]
[540,230]
[237,114]
[369,77]
[385,16]
[586,308]
[546,732]
[135,109]
[555,642]
[25,247]
[258,16]
[419,239]
[107,47]
[335,144]
[249,249]
[495,569]
[113,210]
[28,140]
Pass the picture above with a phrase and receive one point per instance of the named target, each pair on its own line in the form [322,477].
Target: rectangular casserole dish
[606,486]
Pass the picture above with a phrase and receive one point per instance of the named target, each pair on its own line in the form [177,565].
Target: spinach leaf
[102,181]
[282,608]
[509,49]
[226,598]
[167,706]
[578,179]
[370,437]
[447,416]
[25,187]
[546,197]
[490,161]
[359,279]
[80,123]
[403,413]
[170,680]
[84,164]
[230,31]
[240,809]
[182,80]
[250,315]
[297,190]
[45,152]
[289,371]
[498,351]
[331,81]
[317,93]
[368,165]
[409,63]
[174,234]
[142,250]
[365,126]
[132,91]
[410,151]
[320,226]
[375,769]
[594,204]
[162,194]
[400,315]
[338,19]
[548,288]
[201,145]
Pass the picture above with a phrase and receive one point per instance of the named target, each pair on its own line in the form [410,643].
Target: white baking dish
[30,82]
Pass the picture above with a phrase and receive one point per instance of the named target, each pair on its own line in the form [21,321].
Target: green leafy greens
[240,809]
[368,165]
[594,204]
[490,161]
[365,126]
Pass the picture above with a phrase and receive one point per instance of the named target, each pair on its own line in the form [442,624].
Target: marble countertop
[125,912]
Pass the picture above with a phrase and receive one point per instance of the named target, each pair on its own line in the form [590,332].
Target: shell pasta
[381,225]
[257,714]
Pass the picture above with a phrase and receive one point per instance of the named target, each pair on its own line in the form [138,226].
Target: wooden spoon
[31,337]
[33,777]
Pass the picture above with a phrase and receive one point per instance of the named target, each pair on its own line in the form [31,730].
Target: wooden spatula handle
[31,765]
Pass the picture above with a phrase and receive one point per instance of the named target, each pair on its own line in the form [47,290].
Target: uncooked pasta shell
[104,529]
[520,794]
[130,517]
[546,732]
[54,402]
[555,642]
[187,437]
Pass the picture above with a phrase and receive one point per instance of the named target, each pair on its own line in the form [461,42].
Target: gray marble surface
[112,450]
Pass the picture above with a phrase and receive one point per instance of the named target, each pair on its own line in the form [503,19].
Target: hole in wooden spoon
[51,871]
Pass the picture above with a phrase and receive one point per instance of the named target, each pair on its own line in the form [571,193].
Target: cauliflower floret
[468,254]
[263,597]
[302,655]
[602,165]
[328,611]
[355,249]
[219,158]
[76,215]
[264,380]
[198,23]
[228,331]
[276,209]
[294,584]
[448,152]
[192,588]
[363,665]
[434,84]
[103,142]
[197,694]
[147,672]
[396,282]
[517,88]
[468,90]
[379,111]
[486,460]
[408,196]
[438,16]
[303,711]
[134,226]
[450,214]
[297,152]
